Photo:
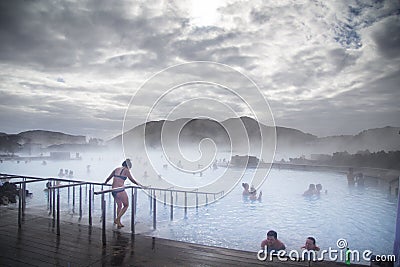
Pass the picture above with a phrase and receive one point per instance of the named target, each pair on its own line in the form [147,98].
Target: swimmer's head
[127,163]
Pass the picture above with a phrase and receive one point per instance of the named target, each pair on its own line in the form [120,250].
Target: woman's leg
[123,197]
[119,206]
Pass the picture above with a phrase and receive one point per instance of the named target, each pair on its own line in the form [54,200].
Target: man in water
[272,244]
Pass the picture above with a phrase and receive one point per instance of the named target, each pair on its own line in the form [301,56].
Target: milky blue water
[365,217]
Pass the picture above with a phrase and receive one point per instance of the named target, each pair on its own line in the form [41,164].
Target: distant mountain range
[290,142]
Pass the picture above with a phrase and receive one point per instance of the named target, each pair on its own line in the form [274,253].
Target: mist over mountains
[289,142]
[240,133]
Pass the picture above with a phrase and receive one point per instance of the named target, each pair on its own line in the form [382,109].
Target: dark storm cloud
[316,61]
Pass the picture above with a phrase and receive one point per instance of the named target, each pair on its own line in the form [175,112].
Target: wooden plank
[80,245]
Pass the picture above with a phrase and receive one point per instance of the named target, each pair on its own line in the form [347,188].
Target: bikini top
[120,175]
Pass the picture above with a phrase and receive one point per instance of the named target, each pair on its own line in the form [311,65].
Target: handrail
[12,176]
[53,192]
[157,189]
[153,202]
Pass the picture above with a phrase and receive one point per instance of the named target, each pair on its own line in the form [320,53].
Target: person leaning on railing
[121,198]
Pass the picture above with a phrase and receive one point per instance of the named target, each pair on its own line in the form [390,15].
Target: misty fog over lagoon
[365,217]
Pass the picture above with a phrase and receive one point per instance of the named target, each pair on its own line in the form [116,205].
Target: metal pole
[73,199]
[154,210]
[101,204]
[90,205]
[185,205]
[50,199]
[23,197]
[206,199]
[150,196]
[165,198]
[20,206]
[54,206]
[136,193]
[103,217]
[172,207]
[80,201]
[86,193]
[48,195]
[197,201]
[93,197]
[68,191]
[58,211]
[133,211]
[115,208]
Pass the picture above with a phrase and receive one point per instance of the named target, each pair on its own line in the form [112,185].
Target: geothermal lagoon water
[365,217]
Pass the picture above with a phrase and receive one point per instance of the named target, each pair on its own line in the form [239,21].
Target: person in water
[253,194]
[351,177]
[310,244]
[120,174]
[250,194]
[272,244]
[246,191]
[310,191]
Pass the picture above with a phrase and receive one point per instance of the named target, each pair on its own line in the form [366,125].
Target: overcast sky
[325,67]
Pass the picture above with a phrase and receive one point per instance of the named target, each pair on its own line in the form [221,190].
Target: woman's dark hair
[127,163]
[312,239]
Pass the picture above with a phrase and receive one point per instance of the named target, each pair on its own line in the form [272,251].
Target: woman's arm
[128,174]
[109,177]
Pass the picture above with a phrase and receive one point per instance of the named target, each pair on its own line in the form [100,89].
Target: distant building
[244,161]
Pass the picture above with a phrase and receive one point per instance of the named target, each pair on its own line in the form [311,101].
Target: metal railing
[54,199]
[153,202]
[53,193]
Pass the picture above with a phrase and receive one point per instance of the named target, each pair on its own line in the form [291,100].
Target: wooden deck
[36,244]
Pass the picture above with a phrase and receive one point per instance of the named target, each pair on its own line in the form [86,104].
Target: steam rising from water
[200,156]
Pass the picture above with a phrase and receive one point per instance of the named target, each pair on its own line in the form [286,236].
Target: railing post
[154,210]
[90,205]
[54,205]
[48,195]
[136,193]
[69,183]
[165,198]
[101,204]
[23,197]
[206,199]
[185,205]
[132,211]
[103,217]
[150,200]
[80,202]
[49,192]
[197,201]
[20,206]
[93,197]
[73,199]
[58,211]
[172,207]
[115,208]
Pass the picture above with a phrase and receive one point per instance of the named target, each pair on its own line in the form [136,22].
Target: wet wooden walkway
[36,244]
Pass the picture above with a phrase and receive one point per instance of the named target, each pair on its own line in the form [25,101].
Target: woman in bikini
[120,174]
